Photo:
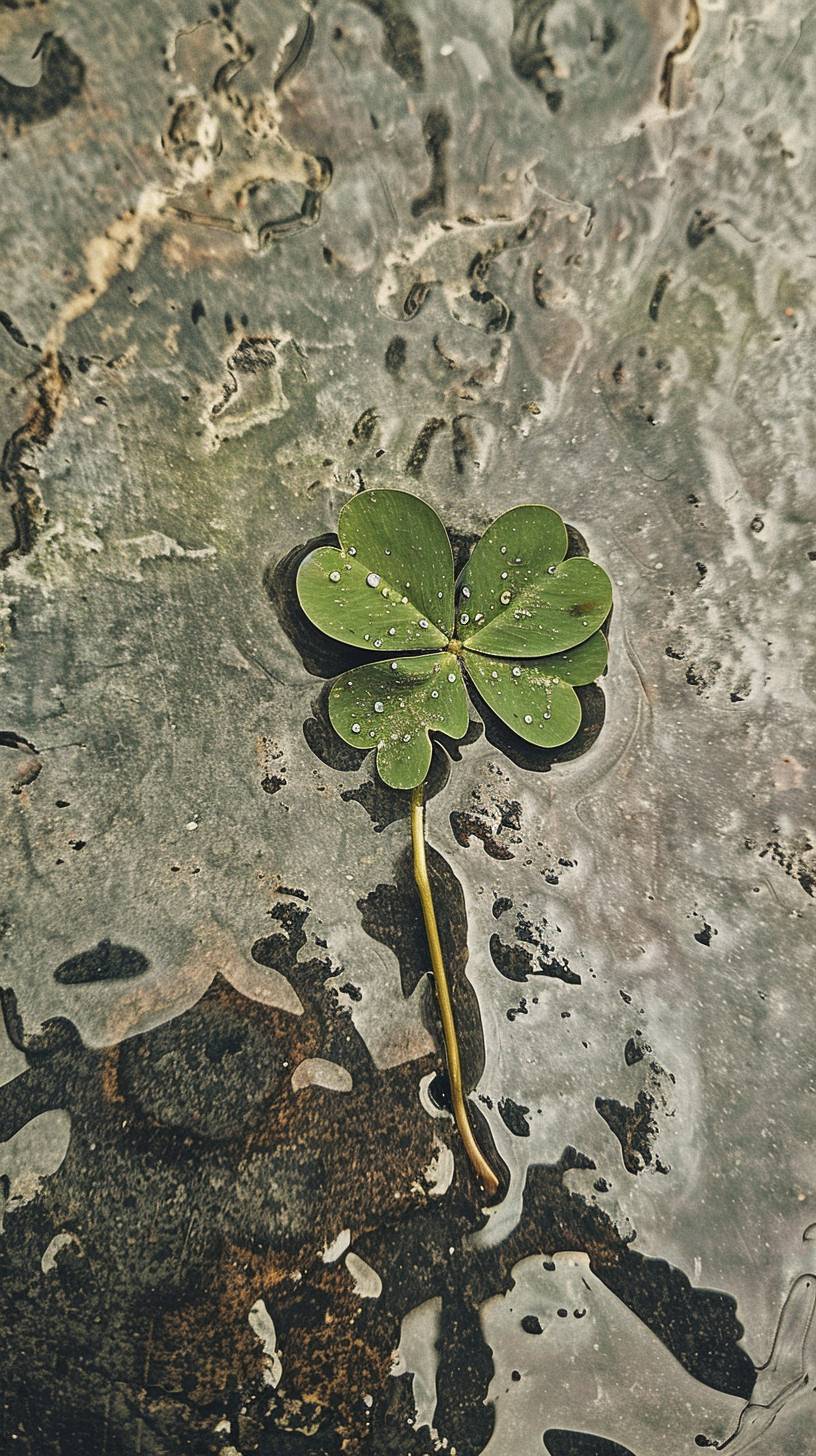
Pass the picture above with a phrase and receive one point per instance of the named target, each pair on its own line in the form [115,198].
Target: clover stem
[479,1163]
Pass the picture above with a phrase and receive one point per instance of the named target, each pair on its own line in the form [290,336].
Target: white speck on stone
[320,1072]
[367,1282]
[55,1248]
[262,1325]
[335,1249]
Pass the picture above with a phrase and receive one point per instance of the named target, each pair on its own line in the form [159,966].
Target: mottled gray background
[256,256]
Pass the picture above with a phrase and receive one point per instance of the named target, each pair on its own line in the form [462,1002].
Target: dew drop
[355,727]
[434,693]
[503,550]
[334,576]
[479,617]
[528,718]
[392,631]
[548,714]
[551,571]
[494,674]
[451,677]
[388,550]
[403,600]
[378,707]
[366,636]
[372,734]
[352,551]
[394,666]
[406,738]
[465,592]
[373,579]
[504,576]
[464,619]
[505,598]
[378,641]
[439,595]
[423,621]
[516,672]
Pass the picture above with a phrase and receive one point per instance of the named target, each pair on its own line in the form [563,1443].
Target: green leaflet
[518,597]
[394,704]
[536,697]
[390,585]
[525,634]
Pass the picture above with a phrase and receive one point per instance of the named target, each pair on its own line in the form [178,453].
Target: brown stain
[19,476]
[109,1080]
[192,1156]
[690,29]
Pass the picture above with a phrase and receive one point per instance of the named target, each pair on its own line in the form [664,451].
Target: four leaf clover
[520,624]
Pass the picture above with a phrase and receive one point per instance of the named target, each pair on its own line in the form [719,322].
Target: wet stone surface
[256,258]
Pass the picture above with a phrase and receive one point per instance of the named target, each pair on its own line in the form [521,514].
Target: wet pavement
[255,258]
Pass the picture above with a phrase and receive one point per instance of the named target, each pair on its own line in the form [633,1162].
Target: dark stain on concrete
[581,1443]
[635,1128]
[62,79]
[105,962]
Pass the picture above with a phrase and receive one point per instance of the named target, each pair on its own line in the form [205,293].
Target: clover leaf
[525,633]
[397,702]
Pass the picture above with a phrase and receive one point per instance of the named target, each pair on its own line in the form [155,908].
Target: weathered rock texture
[257,256]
